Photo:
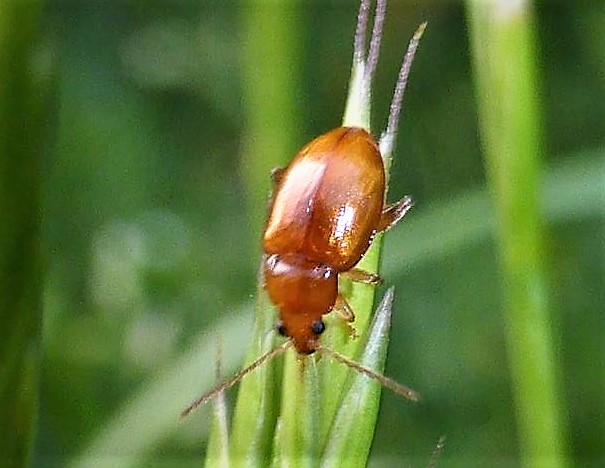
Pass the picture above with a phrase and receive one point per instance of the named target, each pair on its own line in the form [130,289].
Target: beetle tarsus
[342,308]
[361,276]
[394,213]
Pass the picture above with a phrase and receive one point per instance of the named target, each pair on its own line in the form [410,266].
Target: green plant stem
[270,63]
[20,265]
[359,296]
[296,441]
[217,451]
[257,405]
[503,46]
[350,439]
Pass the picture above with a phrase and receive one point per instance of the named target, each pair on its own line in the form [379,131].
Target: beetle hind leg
[361,276]
[393,213]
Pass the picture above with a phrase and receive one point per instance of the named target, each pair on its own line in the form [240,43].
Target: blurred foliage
[21,132]
[150,249]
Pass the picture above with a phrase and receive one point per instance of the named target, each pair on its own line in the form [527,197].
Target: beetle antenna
[360,32]
[396,387]
[388,137]
[206,397]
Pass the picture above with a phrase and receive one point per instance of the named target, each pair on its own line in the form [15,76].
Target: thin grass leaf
[257,404]
[217,452]
[296,441]
[350,440]
[271,139]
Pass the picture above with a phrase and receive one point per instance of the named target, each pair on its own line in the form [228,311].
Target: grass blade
[217,452]
[349,440]
[504,50]
[296,441]
[257,405]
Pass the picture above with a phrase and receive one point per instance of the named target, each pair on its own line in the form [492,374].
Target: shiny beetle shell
[326,209]
[329,200]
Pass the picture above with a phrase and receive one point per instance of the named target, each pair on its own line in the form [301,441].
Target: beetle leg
[393,213]
[277,173]
[361,276]
[343,309]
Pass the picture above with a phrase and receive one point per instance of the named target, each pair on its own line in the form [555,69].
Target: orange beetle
[327,207]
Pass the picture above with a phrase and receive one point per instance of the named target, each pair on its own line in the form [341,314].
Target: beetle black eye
[318,327]
[281,328]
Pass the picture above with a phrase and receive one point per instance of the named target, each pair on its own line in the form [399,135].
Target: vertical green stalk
[271,58]
[350,439]
[217,451]
[20,266]
[359,296]
[271,62]
[504,53]
[296,441]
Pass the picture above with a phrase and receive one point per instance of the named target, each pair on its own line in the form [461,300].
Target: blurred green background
[146,122]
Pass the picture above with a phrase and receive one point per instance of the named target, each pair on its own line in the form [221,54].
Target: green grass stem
[217,451]
[351,435]
[504,52]
[269,64]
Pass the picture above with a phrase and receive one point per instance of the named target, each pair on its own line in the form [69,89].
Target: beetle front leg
[344,310]
[393,213]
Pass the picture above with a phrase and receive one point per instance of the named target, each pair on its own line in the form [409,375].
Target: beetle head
[303,292]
